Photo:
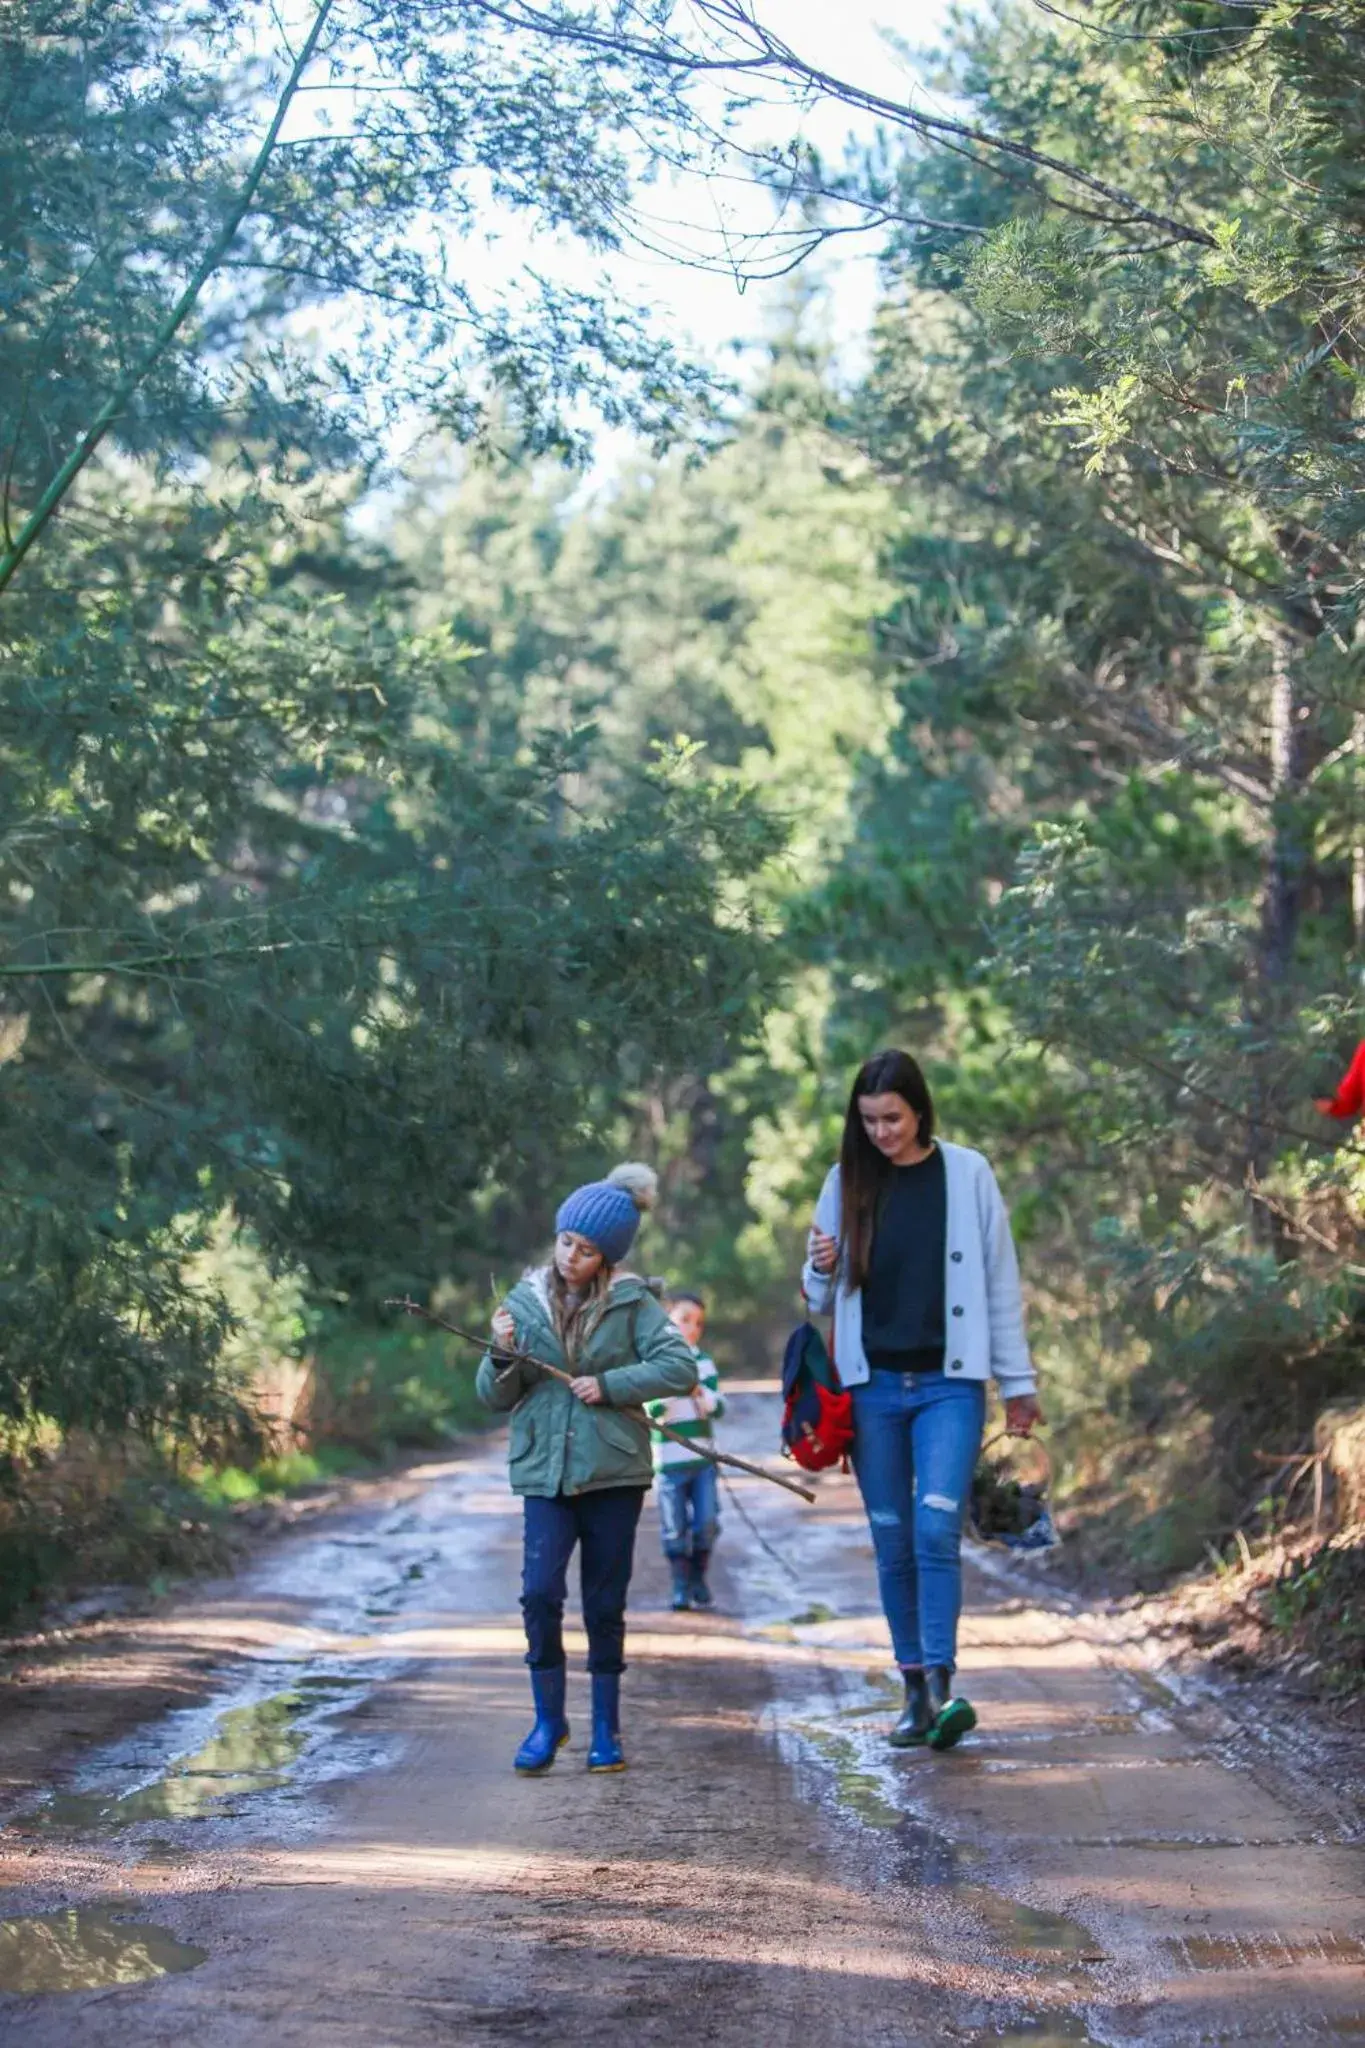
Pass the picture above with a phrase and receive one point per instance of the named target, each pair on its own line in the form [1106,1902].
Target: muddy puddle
[1028,1932]
[857,1790]
[861,1781]
[88,1948]
[1050,2032]
[252,1749]
[275,1730]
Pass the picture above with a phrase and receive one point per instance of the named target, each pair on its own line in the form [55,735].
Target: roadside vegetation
[367,878]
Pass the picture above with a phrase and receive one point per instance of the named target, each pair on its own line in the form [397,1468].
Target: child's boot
[681,1584]
[700,1592]
[551,1731]
[952,1715]
[605,1754]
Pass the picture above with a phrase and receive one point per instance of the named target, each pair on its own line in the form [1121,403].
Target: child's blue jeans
[689,1512]
[916,1437]
[603,1524]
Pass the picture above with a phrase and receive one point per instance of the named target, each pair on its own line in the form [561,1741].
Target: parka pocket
[622,1445]
[521,1439]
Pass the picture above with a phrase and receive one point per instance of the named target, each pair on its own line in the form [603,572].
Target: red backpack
[817,1415]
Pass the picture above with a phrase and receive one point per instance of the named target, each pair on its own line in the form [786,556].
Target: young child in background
[689,1511]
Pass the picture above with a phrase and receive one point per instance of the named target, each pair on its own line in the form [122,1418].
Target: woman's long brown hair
[863,1170]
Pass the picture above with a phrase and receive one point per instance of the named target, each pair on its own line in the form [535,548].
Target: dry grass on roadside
[1294,1610]
[85,1512]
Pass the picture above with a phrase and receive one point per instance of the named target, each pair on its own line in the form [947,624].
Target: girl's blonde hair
[574,1313]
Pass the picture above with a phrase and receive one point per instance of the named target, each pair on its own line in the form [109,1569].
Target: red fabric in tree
[1349,1099]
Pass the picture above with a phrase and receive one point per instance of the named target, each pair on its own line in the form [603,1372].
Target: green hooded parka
[560,1444]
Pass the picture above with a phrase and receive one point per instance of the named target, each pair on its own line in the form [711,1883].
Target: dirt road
[332,1849]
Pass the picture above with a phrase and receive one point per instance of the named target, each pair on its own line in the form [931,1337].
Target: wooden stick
[699,1450]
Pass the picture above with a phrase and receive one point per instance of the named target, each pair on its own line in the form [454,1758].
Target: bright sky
[842,37]
[705,309]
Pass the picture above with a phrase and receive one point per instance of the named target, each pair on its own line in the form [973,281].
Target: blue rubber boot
[605,1754]
[682,1575]
[551,1731]
[700,1592]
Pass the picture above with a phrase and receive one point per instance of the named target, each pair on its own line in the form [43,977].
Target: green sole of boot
[957,1719]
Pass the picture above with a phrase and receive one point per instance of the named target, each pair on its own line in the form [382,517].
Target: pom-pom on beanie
[607,1212]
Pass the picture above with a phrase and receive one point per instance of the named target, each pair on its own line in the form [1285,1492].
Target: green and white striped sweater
[690,1414]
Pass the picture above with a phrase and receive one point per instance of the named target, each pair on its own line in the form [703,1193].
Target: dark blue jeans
[604,1525]
[689,1511]
[916,1438]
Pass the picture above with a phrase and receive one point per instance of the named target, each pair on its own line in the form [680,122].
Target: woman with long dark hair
[911,1248]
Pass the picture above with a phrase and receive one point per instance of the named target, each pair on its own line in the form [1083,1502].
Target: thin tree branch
[776,58]
[118,398]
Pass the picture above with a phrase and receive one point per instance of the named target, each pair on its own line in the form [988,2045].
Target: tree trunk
[1288,861]
[1357,839]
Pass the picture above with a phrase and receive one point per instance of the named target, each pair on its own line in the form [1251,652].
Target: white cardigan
[983,1305]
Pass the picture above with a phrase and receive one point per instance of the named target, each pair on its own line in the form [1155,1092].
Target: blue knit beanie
[607,1212]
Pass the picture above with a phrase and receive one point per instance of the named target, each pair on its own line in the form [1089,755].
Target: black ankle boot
[912,1729]
[951,1717]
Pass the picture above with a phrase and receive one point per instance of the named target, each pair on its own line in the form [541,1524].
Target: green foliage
[731,601]
[378,1389]
[364,880]
[323,984]
[231,1486]
[291,944]
[1102,877]
[127,140]
[1318,1603]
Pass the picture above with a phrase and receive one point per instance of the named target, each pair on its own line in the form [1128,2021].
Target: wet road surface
[333,1849]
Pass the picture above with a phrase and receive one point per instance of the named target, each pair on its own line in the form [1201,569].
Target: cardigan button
[958,1311]
[956,1365]
[957,1258]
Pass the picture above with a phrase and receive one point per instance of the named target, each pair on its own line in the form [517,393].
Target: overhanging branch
[127,385]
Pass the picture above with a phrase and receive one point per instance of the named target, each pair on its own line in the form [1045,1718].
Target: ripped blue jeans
[916,1438]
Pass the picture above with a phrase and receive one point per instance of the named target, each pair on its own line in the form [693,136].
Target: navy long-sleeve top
[903,1296]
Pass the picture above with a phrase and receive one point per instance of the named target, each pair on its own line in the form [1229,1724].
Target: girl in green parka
[580,1454]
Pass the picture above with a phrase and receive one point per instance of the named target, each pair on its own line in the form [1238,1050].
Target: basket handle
[1004,1436]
